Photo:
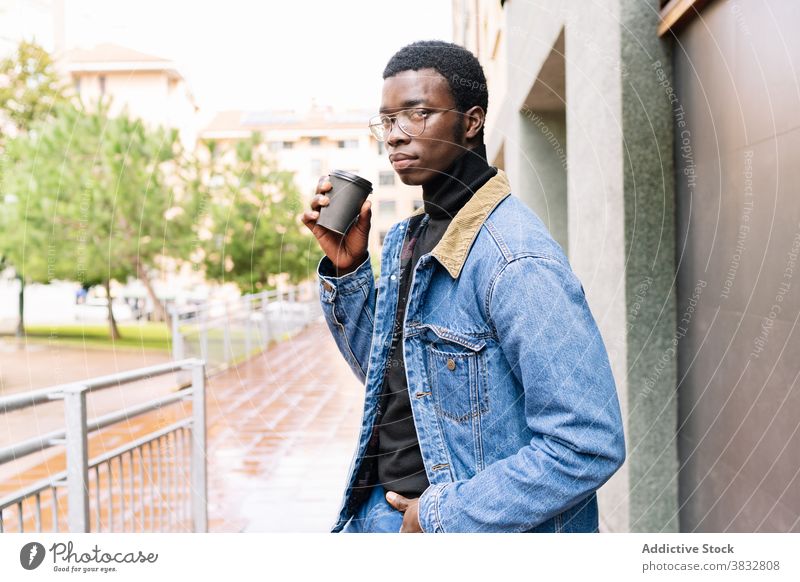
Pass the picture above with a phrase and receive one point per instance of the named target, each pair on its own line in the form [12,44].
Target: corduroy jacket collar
[452,250]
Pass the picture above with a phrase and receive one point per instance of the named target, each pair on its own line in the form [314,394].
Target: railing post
[291,316]
[177,338]
[265,319]
[227,347]
[198,467]
[178,346]
[248,340]
[204,333]
[77,460]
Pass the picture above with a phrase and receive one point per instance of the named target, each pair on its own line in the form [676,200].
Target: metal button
[327,286]
[451,364]
[393,277]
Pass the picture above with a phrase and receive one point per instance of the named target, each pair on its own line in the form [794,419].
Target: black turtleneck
[399,461]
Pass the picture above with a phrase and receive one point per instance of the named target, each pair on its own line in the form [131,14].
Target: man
[490,404]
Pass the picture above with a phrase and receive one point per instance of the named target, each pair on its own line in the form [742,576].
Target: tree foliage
[256,233]
[30,86]
[88,199]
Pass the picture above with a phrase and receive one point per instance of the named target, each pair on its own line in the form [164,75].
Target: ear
[475,117]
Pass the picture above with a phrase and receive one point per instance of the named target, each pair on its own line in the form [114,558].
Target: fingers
[319,200]
[397,501]
[323,185]
[310,218]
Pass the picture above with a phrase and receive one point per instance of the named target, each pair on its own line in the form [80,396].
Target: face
[419,159]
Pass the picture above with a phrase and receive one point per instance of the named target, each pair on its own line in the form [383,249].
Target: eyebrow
[405,105]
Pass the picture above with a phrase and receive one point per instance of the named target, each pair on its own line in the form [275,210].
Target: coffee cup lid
[357,180]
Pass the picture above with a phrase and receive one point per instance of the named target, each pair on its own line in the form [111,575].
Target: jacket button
[327,285]
[451,364]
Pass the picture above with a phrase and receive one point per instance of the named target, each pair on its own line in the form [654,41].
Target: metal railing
[224,334]
[170,495]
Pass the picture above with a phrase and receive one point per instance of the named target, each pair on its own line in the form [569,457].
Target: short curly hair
[459,66]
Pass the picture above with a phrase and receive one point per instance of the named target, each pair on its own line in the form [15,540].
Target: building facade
[149,87]
[649,135]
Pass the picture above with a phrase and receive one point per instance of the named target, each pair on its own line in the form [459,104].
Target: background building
[654,139]
[149,87]
[313,143]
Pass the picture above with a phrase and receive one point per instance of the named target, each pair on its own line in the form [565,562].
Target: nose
[396,135]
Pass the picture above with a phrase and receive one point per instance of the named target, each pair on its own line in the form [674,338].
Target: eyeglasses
[410,121]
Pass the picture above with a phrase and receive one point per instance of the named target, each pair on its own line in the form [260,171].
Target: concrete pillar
[617,217]
[622,239]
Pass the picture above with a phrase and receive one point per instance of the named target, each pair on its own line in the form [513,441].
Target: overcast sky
[269,54]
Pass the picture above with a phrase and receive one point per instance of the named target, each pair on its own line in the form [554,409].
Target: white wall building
[150,87]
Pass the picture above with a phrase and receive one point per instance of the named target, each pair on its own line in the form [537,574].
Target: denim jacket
[510,385]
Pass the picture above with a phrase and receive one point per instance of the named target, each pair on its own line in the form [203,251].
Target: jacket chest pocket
[457,374]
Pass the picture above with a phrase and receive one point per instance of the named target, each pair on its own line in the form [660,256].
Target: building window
[382,235]
[287,145]
[386,178]
[348,143]
[387,207]
[316,141]
[316,167]
[274,146]
[417,204]
[102,80]
[381,148]
[78,85]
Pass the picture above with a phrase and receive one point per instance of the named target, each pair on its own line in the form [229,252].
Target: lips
[401,161]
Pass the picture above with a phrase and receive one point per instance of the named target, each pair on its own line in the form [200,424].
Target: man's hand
[410,510]
[345,252]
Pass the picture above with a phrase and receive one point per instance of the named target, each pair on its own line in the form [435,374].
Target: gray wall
[737,156]
[543,179]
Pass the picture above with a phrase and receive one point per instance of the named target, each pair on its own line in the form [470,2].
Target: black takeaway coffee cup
[346,196]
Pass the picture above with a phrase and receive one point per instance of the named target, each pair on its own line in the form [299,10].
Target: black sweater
[400,466]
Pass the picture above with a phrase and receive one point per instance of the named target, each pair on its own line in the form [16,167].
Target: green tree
[30,88]
[255,217]
[90,200]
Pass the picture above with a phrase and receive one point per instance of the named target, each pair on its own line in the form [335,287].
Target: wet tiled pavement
[281,432]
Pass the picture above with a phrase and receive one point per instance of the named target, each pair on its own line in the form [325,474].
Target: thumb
[365,216]
[397,501]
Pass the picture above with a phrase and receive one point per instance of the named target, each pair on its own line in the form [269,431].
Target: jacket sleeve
[547,333]
[348,304]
